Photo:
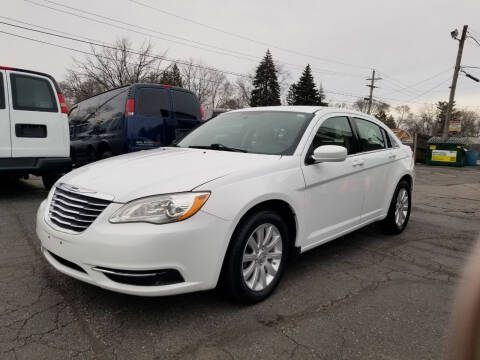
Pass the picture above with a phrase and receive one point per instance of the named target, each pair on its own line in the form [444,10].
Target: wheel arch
[281,206]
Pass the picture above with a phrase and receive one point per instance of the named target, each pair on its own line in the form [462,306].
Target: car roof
[306,109]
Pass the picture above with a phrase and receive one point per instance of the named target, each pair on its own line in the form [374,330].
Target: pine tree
[321,94]
[386,119]
[305,91]
[266,90]
[172,77]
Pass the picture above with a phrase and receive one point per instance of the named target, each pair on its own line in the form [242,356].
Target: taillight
[130,107]
[202,113]
[63,106]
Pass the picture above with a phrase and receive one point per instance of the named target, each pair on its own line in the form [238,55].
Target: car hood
[161,171]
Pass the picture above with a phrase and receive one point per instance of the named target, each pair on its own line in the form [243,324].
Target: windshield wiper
[220,147]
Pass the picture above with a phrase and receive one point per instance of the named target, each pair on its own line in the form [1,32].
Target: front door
[334,190]
[5,140]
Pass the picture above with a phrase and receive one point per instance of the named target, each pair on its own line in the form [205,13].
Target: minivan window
[2,93]
[32,94]
[370,135]
[111,110]
[185,105]
[335,131]
[152,102]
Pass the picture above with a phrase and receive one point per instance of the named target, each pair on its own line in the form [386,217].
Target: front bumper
[194,248]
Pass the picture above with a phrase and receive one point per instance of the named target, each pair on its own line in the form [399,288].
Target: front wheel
[399,211]
[256,260]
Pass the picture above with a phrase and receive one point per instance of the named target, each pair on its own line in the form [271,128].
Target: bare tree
[112,67]
[403,112]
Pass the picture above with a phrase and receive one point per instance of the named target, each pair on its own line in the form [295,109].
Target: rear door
[5,141]
[37,126]
[146,129]
[375,161]
[186,113]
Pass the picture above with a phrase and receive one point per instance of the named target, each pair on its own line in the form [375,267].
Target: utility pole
[371,86]
[455,77]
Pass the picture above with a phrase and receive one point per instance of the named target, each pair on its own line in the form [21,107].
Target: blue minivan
[131,118]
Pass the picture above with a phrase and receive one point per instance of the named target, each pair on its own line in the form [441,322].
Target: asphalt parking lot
[364,296]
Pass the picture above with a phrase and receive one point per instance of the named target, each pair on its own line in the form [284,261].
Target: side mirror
[329,153]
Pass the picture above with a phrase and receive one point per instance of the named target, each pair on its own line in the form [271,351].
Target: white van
[34,131]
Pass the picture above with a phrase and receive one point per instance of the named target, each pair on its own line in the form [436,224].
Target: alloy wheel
[262,256]
[401,207]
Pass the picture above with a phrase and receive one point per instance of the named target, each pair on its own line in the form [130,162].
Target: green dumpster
[448,151]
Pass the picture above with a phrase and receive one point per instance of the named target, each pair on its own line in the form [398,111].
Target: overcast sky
[407,41]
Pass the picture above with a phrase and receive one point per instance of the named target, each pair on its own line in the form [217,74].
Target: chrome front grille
[75,209]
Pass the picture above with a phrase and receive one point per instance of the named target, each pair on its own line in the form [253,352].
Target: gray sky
[406,41]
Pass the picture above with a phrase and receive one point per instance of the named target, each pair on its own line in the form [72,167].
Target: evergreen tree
[172,77]
[266,90]
[305,91]
[386,119]
[322,96]
[442,107]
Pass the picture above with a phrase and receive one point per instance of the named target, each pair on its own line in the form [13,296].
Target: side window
[32,94]
[2,93]
[185,105]
[152,102]
[335,131]
[370,134]
[386,138]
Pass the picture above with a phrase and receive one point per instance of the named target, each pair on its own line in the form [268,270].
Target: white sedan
[229,203]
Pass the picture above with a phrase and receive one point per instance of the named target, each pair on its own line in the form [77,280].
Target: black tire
[50,179]
[232,276]
[106,154]
[91,155]
[389,224]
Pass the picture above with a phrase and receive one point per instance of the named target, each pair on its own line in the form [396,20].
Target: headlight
[161,209]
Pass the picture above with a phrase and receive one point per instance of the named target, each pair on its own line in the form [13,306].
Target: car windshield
[261,132]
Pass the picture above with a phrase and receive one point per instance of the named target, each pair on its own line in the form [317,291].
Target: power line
[178,61]
[429,90]
[245,37]
[372,86]
[198,45]
[421,81]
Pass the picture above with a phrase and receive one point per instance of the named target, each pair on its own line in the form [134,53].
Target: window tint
[152,102]
[185,105]
[32,93]
[386,138]
[110,115]
[2,93]
[370,134]
[83,115]
[335,131]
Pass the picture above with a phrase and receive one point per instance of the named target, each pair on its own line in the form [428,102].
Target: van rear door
[5,141]
[146,128]
[37,126]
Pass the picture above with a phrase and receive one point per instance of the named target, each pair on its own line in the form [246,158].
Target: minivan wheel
[399,211]
[256,259]
[50,179]
[106,154]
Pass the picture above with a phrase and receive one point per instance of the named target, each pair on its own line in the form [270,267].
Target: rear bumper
[36,165]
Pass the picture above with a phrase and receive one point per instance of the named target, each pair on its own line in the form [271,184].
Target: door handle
[359,162]
[392,156]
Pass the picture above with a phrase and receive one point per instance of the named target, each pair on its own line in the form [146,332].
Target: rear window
[83,111]
[2,93]
[32,94]
[185,105]
[152,102]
